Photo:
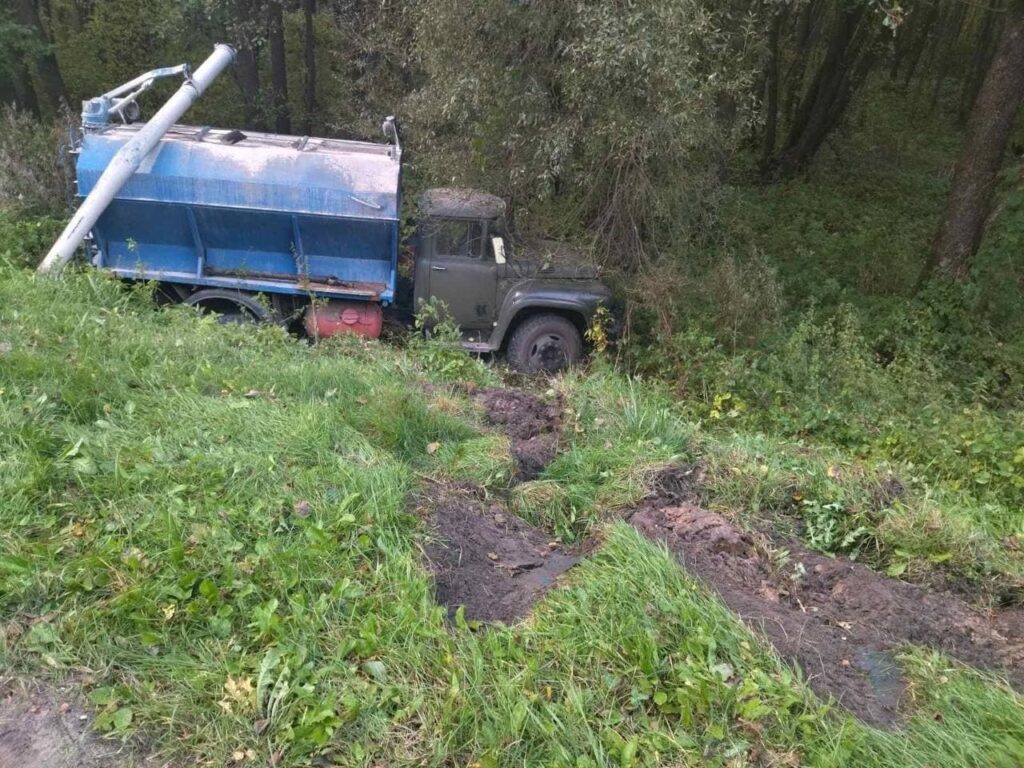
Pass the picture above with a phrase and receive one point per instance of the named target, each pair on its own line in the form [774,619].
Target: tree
[278,68]
[988,133]
[245,32]
[309,56]
[619,113]
[851,50]
[38,56]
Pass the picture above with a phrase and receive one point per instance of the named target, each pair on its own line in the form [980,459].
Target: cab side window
[453,237]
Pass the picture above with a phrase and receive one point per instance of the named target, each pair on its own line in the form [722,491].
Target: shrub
[24,241]
[33,176]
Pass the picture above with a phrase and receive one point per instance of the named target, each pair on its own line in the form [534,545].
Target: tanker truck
[258,226]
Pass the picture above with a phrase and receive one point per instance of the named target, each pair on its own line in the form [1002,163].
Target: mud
[839,621]
[485,559]
[531,425]
[676,483]
[45,726]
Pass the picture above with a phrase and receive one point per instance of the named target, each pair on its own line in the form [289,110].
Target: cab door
[461,272]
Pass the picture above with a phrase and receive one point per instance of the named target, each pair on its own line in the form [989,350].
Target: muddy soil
[531,425]
[839,621]
[44,726]
[485,559]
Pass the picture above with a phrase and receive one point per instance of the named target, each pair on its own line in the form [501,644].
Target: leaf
[102,696]
[723,670]
[84,465]
[265,679]
[208,589]
[896,569]
[122,718]
[376,670]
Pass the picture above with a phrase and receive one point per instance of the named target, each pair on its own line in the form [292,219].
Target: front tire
[545,344]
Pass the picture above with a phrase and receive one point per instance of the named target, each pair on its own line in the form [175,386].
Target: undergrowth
[799,330]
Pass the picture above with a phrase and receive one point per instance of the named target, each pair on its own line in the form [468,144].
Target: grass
[205,526]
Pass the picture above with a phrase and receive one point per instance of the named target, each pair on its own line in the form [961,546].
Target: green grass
[206,526]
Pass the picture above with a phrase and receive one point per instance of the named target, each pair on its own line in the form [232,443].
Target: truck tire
[230,306]
[544,344]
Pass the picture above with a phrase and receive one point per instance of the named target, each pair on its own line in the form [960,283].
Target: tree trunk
[846,62]
[240,29]
[807,31]
[21,82]
[278,69]
[945,42]
[988,133]
[980,62]
[916,50]
[50,90]
[771,106]
[247,74]
[309,55]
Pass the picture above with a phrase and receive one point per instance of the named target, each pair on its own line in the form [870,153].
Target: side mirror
[498,244]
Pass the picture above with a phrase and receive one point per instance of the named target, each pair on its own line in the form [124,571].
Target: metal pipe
[130,156]
[153,74]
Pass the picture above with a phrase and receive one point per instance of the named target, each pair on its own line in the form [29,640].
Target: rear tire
[545,344]
[230,306]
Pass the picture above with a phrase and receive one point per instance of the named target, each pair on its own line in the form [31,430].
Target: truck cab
[531,300]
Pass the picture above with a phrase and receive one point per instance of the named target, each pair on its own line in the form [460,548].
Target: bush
[436,344]
[33,177]
[24,241]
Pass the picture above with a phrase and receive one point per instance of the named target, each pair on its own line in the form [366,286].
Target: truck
[261,227]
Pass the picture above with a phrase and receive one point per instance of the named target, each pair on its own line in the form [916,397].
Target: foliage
[622,112]
[598,335]
[437,344]
[24,241]
[34,178]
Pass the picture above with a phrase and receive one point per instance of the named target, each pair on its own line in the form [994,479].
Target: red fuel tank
[364,318]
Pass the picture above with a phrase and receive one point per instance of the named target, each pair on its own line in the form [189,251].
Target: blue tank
[256,212]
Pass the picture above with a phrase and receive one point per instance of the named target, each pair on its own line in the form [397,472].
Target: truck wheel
[544,344]
[229,306]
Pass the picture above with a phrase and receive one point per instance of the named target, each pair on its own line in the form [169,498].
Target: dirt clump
[485,559]
[676,483]
[531,424]
[839,621]
[44,726]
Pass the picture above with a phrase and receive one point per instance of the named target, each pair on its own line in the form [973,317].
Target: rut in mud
[839,621]
[485,559]
[531,424]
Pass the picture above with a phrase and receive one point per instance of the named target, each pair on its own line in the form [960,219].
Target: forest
[221,543]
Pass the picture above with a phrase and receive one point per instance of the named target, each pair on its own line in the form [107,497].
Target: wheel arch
[575,316]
